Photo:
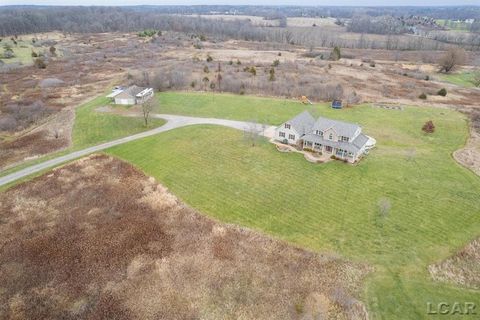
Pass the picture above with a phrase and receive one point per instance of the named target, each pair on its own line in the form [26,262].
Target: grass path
[435,206]
[463,79]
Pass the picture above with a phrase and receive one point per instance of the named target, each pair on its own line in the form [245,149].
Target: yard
[463,79]
[229,106]
[332,207]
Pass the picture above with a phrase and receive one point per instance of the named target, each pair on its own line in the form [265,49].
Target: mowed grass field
[463,79]
[92,127]
[333,207]
[229,106]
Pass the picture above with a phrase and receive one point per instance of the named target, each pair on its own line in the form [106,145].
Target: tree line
[26,20]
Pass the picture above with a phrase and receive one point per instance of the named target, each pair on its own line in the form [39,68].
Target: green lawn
[93,127]
[22,51]
[333,207]
[463,79]
[229,106]
[453,25]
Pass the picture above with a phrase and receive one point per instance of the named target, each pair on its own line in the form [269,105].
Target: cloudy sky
[254,2]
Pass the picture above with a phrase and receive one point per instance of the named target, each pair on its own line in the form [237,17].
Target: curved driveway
[173,122]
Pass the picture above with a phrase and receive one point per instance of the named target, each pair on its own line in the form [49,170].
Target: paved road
[173,122]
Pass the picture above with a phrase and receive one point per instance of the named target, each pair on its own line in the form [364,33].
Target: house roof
[302,123]
[360,140]
[350,147]
[115,93]
[344,129]
[130,92]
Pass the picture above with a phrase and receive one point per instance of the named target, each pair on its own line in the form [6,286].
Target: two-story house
[292,130]
[341,139]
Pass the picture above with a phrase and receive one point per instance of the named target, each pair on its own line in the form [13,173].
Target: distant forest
[17,20]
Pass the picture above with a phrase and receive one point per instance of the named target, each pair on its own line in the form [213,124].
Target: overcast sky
[251,2]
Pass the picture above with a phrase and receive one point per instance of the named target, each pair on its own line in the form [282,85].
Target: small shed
[337,104]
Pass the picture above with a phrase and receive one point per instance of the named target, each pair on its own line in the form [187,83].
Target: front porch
[328,151]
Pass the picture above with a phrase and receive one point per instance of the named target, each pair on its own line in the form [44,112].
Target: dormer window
[344,139]
[287,126]
[320,133]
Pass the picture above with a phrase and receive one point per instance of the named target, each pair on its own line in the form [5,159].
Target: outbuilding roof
[130,92]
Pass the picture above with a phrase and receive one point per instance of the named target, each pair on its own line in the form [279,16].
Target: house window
[320,133]
[287,126]
[291,136]
[318,145]
[330,136]
[308,143]
[281,134]
[345,139]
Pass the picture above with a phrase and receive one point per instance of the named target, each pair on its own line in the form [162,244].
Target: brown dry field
[463,268]
[97,239]
[92,63]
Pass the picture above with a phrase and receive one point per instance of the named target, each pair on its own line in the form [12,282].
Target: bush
[428,127]
[209,58]
[34,54]
[427,77]
[8,53]
[423,96]
[442,92]
[372,64]
[147,33]
[336,55]
[40,63]
[276,63]
[205,69]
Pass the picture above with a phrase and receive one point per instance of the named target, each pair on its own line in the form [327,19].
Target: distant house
[331,137]
[130,95]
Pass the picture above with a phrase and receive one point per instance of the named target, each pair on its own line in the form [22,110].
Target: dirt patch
[469,156]
[98,239]
[463,268]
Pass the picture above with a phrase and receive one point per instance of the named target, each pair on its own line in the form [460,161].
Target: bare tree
[147,107]
[252,133]
[452,58]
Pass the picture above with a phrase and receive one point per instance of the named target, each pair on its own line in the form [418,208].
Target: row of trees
[103,19]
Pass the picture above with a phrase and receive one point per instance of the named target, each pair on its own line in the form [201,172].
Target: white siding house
[131,95]
[330,137]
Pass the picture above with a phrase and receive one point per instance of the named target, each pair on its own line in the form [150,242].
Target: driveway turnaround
[173,122]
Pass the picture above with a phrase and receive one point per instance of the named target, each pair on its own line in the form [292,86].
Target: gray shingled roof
[341,128]
[334,144]
[130,92]
[360,140]
[302,123]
